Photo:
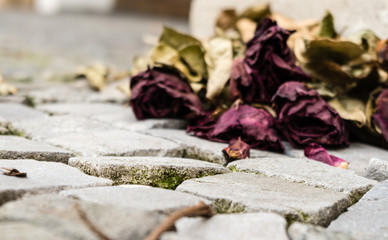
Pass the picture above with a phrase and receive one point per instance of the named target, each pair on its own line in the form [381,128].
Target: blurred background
[40,39]
[43,38]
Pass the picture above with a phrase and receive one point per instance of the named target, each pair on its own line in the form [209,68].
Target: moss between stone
[234,169]
[29,101]
[225,206]
[10,130]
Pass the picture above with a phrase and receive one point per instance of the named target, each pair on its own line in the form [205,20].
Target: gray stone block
[60,215]
[368,217]
[81,109]
[309,172]
[126,120]
[202,149]
[116,142]
[299,231]
[13,112]
[26,231]
[265,226]
[43,177]
[245,192]
[136,196]
[357,154]
[377,169]
[153,171]
[44,128]
[13,147]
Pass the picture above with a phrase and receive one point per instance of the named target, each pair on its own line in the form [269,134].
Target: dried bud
[236,150]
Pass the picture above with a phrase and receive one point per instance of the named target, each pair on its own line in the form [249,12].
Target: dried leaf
[96,75]
[247,28]
[327,29]
[350,109]
[340,52]
[226,19]
[183,52]
[219,59]
[368,40]
[13,172]
[6,88]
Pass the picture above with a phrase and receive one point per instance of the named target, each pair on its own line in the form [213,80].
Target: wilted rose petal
[162,92]
[254,126]
[236,150]
[268,63]
[304,117]
[202,126]
[381,113]
[317,152]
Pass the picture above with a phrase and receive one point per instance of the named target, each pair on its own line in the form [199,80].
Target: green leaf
[327,29]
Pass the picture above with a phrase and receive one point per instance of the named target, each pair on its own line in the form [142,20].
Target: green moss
[170,180]
[29,101]
[10,130]
[234,169]
[225,206]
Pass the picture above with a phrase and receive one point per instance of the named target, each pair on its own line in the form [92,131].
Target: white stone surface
[116,142]
[43,177]
[357,154]
[377,169]
[26,231]
[13,147]
[306,171]
[264,226]
[13,112]
[136,196]
[368,217]
[59,215]
[163,172]
[245,192]
[81,109]
[299,231]
[202,149]
[349,15]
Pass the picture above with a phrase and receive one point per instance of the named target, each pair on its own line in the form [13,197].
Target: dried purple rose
[254,126]
[304,117]
[268,63]
[317,152]
[380,115]
[162,92]
[236,150]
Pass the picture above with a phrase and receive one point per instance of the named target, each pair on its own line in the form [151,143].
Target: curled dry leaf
[6,88]
[96,75]
[219,59]
[13,172]
[350,109]
[182,52]
[226,19]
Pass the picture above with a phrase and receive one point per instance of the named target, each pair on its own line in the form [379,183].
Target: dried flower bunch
[263,78]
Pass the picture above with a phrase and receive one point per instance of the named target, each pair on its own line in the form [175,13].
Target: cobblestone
[42,177]
[244,192]
[14,147]
[153,171]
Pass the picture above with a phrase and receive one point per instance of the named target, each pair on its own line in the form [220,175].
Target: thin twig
[13,172]
[201,209]
[89,224]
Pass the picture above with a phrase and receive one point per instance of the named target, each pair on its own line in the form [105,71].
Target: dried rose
[268,63]
[202,126]
[236,150]
[383,54]
[304,117]
[317,152]
[162,92]
[380,115]
[254,126]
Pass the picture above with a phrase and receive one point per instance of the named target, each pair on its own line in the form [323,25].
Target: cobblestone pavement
[84,151]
